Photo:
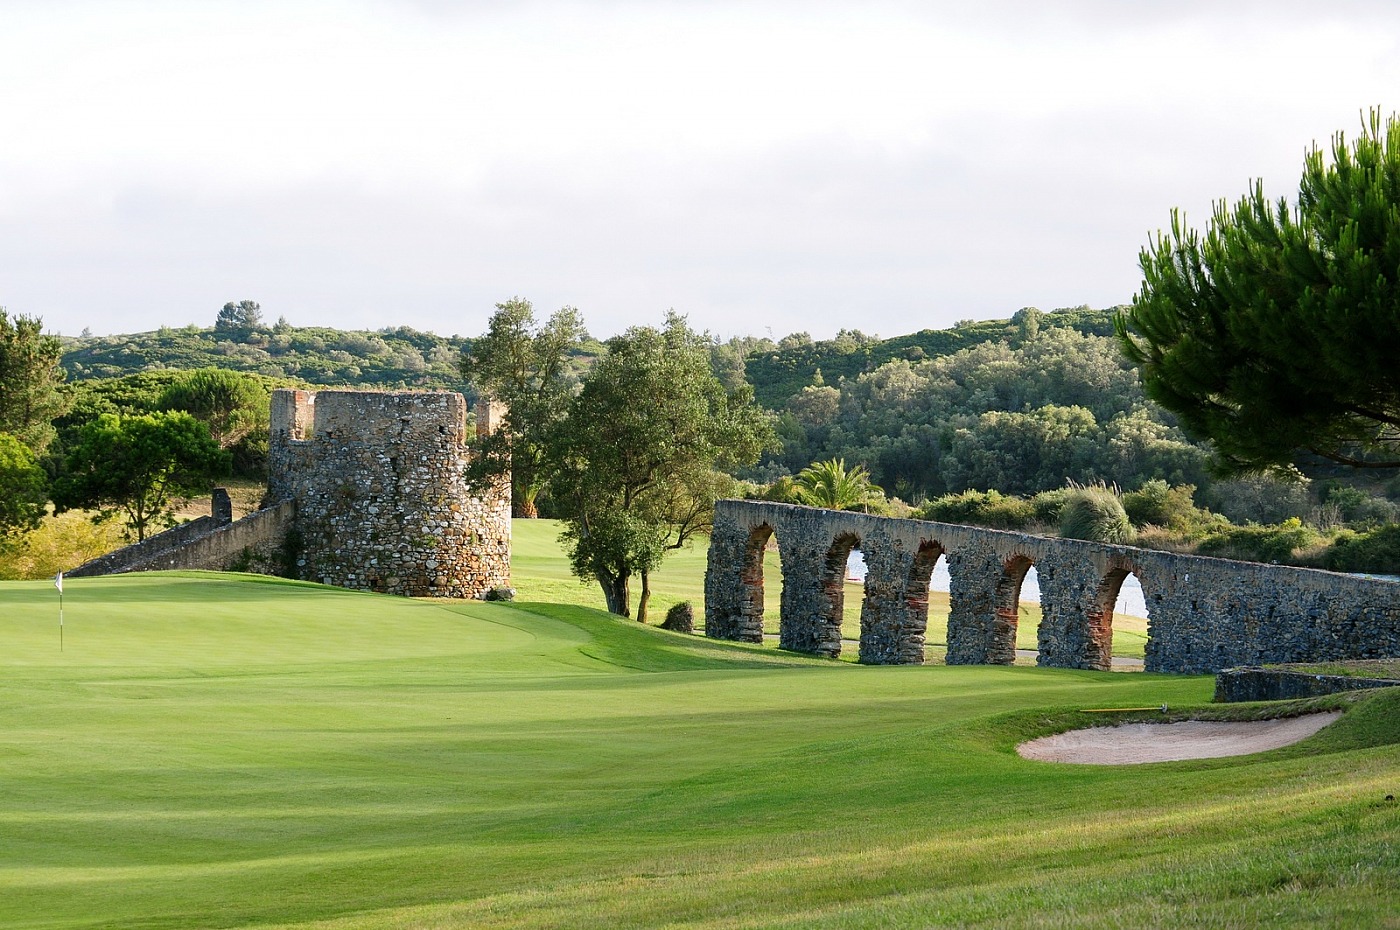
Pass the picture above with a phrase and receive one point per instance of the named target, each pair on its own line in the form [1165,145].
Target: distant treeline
[1018,405]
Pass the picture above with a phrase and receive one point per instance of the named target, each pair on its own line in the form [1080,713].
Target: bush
[782,491]
[1095,513]
[1278,543]
[680,618]
[1377,552]
[1050,506]
[1158,504]
[991,509]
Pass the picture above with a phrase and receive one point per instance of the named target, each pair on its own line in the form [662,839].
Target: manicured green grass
[541,572]
[214,750]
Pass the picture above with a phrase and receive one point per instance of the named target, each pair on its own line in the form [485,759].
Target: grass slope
[217,750]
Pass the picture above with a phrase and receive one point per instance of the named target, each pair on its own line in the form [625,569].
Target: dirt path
[1132,743]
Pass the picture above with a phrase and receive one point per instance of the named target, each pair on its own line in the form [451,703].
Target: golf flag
[58,583]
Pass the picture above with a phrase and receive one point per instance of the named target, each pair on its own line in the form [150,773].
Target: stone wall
[149,552]
[1204,614]
[366,490]
[1268,684]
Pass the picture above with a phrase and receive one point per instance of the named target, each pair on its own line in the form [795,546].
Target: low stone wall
[254,543]
[135,557]
[1265,684]
[1205,614]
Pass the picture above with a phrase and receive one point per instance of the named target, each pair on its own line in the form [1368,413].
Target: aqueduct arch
[1008,607]
[1205,614]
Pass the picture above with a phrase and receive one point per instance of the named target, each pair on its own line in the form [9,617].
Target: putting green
[219,750]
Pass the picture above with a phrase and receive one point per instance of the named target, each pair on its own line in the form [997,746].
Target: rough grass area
[214,750]
[1356,668]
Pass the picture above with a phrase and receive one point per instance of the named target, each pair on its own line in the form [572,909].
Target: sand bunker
[1131,743]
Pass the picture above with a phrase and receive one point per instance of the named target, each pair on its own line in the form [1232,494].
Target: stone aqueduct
[1204,614]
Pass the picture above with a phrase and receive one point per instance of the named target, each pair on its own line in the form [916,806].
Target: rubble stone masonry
[1204,614]
[369,492]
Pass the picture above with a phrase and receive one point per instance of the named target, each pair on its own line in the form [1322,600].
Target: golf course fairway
[213,750]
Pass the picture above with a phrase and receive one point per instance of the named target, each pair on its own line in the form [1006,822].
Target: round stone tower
[381,499]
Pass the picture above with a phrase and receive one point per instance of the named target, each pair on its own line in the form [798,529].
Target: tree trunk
[616,593]
[644,597]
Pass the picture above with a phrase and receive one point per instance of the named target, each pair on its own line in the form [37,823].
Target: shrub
[1050,505]
[981,508]
[680,618]
[783,491]
[1159,504]
[1095,513]
[1277,543]
[1377,552]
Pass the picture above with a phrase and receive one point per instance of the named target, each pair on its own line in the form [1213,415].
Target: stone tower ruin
[366,490]
[381,498]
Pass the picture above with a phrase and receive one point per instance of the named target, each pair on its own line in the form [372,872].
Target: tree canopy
[233,404]
[30,376]
[24,488]
[1275,334]
[524,365]
[635,457]
[242,316]
[138,465]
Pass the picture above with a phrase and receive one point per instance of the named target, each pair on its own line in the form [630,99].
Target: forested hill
[404,357]
[779,372]
[397,357]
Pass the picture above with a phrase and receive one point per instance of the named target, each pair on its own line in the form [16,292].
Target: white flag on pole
[58,582]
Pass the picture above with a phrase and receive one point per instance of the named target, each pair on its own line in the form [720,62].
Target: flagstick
[58,583]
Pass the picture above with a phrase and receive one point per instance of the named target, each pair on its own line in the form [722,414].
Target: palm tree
[830,485]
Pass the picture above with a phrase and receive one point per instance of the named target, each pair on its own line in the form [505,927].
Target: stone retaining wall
[1266,684]
[1204,614]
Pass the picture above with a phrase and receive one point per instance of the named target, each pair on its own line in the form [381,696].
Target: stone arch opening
[751,582]
[1109,601]
[1006,619]
[916,602]
[834,593]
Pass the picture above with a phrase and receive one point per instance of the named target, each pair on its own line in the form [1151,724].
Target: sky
[762,167]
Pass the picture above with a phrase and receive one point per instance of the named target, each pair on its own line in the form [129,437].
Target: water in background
[1130,600]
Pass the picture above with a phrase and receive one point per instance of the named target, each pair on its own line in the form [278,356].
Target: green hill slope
[216,750]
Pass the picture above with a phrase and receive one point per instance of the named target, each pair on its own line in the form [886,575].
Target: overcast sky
[762,167]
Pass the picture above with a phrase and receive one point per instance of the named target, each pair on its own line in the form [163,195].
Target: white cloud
[802,166]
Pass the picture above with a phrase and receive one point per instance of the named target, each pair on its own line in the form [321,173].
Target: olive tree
[634,461]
